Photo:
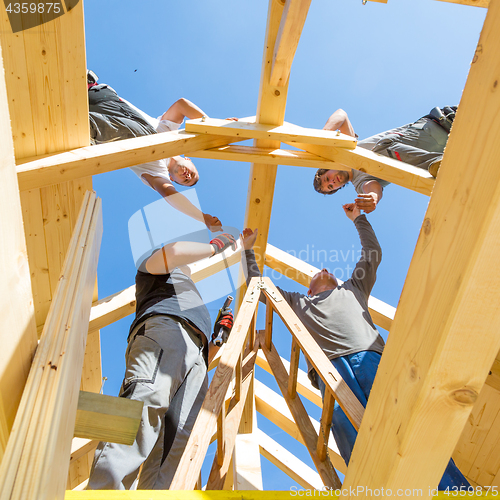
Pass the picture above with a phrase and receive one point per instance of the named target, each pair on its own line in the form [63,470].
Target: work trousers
[419,144]
[358,371]
[166,369]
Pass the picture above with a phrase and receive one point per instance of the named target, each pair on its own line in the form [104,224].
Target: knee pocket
[143,360]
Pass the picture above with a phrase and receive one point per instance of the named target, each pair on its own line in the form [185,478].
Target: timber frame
[436,384]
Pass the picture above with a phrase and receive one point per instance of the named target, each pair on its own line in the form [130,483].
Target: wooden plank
[301,272]
[306,429]
[268,156]
[289,463]
[19,336]
[42,171]
[434,367]
[190,465]
[221,438]
[45,420]
[326,423]
[293,370]
[222,465]
[268,131]
[107,418]
[397,172]
[292,22]
[304,386]
[247,468]
[346,399]
[476,430]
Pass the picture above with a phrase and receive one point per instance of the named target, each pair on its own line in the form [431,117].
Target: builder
[113,119]
[420,144]
[166,368]
[339,320]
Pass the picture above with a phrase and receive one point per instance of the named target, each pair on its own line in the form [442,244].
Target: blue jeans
[358,370]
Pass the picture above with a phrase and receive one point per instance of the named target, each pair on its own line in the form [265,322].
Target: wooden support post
[192,459]
[294,368]
[275,409]
[246,460]
[347,400]
[444,337]
[325,423]
[292,22]
[309,435]
[107,418]
[237,380]
[18,334]
[46,417]
[289,463]
[301,272]
[269,325]
[221,464]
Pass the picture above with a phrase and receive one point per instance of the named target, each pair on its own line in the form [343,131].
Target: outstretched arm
[340,121]
[368,200]
[182,108]
[180,202]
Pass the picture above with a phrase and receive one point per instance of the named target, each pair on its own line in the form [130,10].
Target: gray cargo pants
[419,144]
[165,369]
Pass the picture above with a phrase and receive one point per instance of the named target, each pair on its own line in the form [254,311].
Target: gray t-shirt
[359,178]
[339,319]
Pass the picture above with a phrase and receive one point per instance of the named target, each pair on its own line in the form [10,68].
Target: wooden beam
[301,272]
[306,429]
[444,338]
[397,172]
[274,407]
[324,368]
[288,463]
[107,418]
[304,386]
[190,465]
[292,22]
[18,337]
[493,379]
[42,171]
[45,421]
[268,131]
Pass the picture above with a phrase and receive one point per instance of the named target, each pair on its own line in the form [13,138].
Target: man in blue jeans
[339,320]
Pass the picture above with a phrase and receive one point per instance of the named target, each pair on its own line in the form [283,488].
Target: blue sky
[385,64]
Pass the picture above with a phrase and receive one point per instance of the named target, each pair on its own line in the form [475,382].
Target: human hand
[367,202]
[351,210]
[213,223]
[248,238]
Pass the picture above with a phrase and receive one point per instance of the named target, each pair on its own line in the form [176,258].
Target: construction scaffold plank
[444,337]
[35,464]
[19,336]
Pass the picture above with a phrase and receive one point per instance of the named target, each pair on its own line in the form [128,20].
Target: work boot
[434,167]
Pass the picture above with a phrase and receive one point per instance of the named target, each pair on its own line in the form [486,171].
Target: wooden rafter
[444,337]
